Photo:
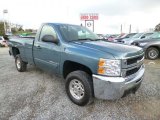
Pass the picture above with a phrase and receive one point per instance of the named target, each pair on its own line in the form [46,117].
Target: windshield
[147,35]
[155,35]
[130,35]
[126,35]
[137,35]
[75,33]
[121,36]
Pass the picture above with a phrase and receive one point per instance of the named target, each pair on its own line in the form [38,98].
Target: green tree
[2,32]
[20,29]
[28,30]
[157,27]
[14,30]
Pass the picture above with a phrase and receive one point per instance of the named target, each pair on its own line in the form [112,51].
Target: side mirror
[50,38]
[142,37]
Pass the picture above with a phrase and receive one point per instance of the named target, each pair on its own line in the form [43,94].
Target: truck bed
[25,45]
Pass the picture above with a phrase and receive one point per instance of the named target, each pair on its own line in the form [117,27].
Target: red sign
[89,16]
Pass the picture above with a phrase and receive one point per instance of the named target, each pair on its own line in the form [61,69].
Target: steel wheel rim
[18,63]
[76,89]
[153,54]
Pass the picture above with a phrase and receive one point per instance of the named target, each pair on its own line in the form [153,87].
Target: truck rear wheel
[20,65]
[152,53]
[79,88]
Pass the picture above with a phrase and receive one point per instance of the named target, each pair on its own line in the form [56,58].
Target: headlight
[109,67]
[142,44]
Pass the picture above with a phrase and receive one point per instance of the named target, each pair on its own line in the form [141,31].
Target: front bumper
[111,88]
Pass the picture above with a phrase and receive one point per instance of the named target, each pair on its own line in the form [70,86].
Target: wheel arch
[154,46]
[15,51]
[70,66]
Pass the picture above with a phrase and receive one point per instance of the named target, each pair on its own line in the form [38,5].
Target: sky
[141,14]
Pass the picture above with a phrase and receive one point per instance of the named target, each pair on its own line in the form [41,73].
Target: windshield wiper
[99,39]
[86,39]
[91,39]
[83,39]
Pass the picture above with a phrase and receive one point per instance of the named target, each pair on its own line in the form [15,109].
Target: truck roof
[57,24]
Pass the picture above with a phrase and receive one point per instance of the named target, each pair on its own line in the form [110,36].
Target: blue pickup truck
[90,66]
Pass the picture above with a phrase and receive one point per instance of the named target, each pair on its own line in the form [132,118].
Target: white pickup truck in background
[3,42]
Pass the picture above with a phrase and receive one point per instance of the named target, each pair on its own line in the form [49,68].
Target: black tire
[20,65]
[152,53]
[86,81]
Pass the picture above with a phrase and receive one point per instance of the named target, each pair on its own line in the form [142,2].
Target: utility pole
[5,11]
[4,21]
[121,29]
[130,28]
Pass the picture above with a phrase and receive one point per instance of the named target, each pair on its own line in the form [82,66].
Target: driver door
[47,54]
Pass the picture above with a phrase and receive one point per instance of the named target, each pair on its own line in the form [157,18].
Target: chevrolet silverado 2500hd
[91,67]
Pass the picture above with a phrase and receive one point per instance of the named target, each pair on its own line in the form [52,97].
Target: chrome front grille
[131,66]
[134,60]
[132,71]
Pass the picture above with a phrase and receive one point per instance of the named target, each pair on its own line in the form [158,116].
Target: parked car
[112,37]
[3,41]
[124,36]
[101,36]
[137,36]
[151,45]
[90,67]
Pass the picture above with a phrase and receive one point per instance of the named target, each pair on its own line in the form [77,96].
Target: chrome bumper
[115,87]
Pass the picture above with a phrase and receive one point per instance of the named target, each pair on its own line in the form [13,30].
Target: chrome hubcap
[18,63]
[76,89]
[153,54]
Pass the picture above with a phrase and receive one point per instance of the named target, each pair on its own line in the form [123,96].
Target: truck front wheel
[79,88]
[20,65]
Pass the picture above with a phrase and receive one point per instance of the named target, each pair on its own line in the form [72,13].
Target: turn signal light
[101,62]
[101,70]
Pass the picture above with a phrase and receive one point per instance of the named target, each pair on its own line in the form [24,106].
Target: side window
[48,30]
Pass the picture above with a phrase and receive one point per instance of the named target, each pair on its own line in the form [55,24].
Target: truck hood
[119,51]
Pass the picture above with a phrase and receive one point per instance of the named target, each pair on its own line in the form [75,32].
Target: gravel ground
[38,95]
